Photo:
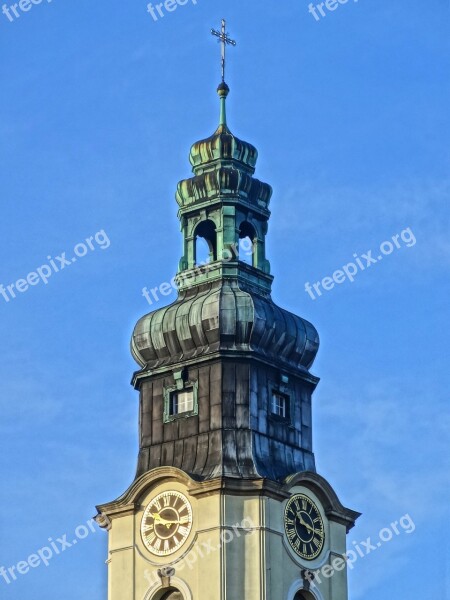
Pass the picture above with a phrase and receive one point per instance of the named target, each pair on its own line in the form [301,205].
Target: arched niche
[304,595]
[247,243]
[172,594]
[178,590]
[205,240]
[298,591]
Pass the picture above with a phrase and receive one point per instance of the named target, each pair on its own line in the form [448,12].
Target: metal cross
[224,39]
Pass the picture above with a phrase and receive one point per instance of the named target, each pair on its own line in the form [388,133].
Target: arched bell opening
[247,243]
[172,594]
[205,242]
[304,595]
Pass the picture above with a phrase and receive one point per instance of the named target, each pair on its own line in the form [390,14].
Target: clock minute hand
[302,522]
[159,519]
[164,522]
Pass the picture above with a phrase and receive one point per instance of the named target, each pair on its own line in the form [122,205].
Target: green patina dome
[223,166]
[222,145]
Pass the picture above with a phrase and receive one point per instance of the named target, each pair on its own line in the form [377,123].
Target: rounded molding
[129,500]
[332,506]
[175,582]
[299,586]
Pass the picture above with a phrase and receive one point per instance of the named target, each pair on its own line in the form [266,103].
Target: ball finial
[223,90]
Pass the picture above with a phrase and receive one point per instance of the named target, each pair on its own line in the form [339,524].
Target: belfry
[226,502]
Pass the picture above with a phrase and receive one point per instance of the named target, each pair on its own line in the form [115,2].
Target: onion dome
[221,317]
[223,165]
[222,145]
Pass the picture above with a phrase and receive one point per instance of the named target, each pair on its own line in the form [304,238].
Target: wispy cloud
[387,427]
[365,212]
[391,456]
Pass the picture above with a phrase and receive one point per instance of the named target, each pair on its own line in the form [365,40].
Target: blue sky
[100,104]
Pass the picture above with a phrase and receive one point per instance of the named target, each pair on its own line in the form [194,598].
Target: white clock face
[166,523]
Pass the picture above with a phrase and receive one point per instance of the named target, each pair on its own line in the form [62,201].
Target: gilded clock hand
[164,522]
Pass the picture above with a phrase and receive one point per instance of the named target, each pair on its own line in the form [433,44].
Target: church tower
[226,503]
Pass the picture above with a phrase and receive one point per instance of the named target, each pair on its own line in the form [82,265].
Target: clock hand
[159,519]
[302,522]
[176,522]
[164,522]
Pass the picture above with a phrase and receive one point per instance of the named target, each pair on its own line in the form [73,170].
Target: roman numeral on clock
[183,530]
[304,527]
[165,528]
[291,534]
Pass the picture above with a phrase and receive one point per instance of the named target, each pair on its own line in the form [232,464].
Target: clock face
[304,528]
[166,523]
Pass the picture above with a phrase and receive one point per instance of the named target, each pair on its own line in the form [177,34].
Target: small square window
[279,406]
[181,402]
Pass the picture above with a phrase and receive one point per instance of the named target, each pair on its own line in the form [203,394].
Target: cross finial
[225,40]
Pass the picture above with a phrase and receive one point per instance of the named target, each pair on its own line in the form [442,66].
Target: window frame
[169,394]
[276,391]
[279,405]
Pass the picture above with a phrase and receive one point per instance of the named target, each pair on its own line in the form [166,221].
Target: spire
[223,89]
[224,204]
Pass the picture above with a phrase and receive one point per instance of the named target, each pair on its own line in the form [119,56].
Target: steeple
[224,323]
[226,482]
[237,205]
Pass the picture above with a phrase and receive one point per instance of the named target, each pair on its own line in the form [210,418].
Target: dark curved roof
[221,316]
